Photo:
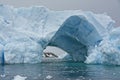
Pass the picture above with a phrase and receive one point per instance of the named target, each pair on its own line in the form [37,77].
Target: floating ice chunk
[2,75]
[18,77]
[49,77]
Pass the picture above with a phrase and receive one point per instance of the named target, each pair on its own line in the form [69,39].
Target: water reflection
[74,71]
[60,71]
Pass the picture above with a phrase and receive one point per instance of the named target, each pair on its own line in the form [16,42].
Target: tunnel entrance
[52,53]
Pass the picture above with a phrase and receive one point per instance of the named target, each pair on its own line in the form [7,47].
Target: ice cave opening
[52,53]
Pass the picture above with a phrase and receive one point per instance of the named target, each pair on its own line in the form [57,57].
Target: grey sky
[111,7]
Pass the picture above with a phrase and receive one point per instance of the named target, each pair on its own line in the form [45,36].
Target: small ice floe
[82,77]
[2,75]
[49,77]
[18,77]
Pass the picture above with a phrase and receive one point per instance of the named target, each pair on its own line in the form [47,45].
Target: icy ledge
[26,32]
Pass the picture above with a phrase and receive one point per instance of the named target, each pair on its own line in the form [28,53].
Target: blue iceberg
[26,32]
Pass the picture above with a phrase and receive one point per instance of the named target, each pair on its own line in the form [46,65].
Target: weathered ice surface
[26,32]
[74,36]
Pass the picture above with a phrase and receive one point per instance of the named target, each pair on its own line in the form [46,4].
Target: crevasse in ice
[87,37]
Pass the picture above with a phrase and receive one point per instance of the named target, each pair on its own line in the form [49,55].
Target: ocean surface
[60,71]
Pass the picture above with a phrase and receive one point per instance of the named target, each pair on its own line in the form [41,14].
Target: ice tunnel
[75,36]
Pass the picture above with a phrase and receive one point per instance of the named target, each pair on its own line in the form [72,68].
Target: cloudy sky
[111,7]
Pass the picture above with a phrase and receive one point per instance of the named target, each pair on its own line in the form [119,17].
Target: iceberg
[26,32]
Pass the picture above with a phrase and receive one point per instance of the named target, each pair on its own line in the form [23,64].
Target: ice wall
[108,51]
[26,32]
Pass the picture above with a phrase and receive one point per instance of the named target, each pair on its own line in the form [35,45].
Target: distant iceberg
[26,32]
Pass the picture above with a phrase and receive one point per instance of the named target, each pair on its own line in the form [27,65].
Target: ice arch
[26,32]
[75,36]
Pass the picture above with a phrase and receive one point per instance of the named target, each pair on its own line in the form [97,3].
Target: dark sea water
[60,71]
